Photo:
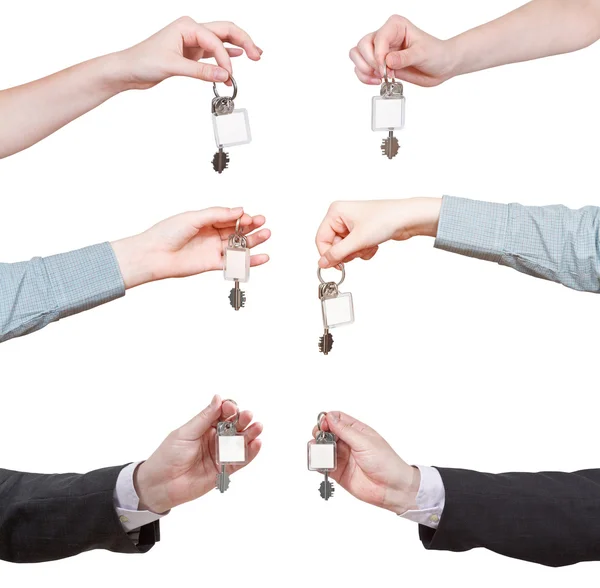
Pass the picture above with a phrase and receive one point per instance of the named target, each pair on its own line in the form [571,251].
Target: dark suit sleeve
[550,518]
[46,517]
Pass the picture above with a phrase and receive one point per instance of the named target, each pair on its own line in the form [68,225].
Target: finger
[391,34]
[356,434]
[261,259]
[397,60]
[244,420]
[228,410]
[328,233]
[233,52]
[230,32]
[340,251]
[211,42]
[247,224]
[367,51]
[369,253]
[253,449]
[214,216]
[258,238]
[202,422]
[255,222]
[190,68]
[252,432]
[360,63]
[367,79]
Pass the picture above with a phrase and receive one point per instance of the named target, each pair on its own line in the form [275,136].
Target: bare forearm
[31,112]
[538,29]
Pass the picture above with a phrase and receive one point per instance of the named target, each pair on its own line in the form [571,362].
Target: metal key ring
[237,412]
[320,418]
[340,282]
[233,96]
[237,226]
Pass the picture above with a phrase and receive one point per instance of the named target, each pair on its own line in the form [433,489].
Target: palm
[192,467]
[368,473]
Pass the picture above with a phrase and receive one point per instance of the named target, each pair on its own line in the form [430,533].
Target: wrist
[151,493]
[459,52]
[426,217]
[112,70]
[135,261]
[403,496]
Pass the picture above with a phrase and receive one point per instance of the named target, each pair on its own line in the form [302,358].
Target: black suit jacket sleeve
[46,517]
[550,518]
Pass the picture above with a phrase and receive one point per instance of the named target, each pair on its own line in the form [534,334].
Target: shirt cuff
[84,278]
[430,499]
[127,502]
[472,228]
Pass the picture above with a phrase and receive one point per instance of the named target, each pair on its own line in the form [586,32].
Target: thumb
[199,70]
[341,250]
[216,214]
[202,422]
[355,434]
[402,59]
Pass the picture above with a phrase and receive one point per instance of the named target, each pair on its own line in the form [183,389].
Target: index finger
[208,40]
[230,32]
[387,36]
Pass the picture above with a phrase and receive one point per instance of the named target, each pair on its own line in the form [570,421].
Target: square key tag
[337,309]
[236,266]
[230,125]
[387,114]
[322,457]
[230,446]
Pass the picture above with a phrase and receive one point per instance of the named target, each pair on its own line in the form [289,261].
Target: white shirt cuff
[127,502]
[431,498]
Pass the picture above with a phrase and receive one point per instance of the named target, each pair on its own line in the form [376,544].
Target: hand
[408,52]
[176,49]
[369,468]
[184,468]
[356,229]
[185,245]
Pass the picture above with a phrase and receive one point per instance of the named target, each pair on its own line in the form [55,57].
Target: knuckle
[185,20]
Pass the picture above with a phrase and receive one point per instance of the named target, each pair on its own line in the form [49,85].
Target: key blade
[390,146]
[222,482]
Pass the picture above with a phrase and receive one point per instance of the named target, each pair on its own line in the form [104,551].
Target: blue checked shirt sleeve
[549,242]
[46,289]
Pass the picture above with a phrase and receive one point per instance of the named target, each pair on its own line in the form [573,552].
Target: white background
[456,362]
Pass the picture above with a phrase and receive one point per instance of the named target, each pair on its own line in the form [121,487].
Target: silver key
[236,266]
[337,309]
[322,457]
[231,448]
[388,114]
[230,126]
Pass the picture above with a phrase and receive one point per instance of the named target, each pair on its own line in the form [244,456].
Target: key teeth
[220,161]
[326,493]
[389,147]
[325,343]
[221,487]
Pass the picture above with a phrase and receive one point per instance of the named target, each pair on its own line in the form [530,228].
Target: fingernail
[214,401]
[237,209]
[333,417]
[383,71]
[221,75]
[323,262]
